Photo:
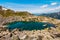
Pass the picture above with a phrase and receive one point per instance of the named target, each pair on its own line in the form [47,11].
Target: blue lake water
[29,25]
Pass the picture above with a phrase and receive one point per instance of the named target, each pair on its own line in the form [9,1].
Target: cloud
[54,3]
[55,9]
[32,8]
[44,6]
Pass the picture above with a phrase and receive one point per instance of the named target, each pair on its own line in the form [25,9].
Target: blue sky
[33,6]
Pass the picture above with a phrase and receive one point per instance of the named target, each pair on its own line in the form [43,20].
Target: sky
[32,6]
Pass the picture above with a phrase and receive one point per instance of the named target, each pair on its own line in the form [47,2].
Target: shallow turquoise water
[29,25]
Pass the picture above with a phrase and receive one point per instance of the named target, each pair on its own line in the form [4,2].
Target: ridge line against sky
[35,6]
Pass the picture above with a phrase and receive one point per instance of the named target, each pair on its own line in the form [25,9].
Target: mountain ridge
[52,15]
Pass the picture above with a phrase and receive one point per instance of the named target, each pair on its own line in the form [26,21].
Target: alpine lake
[31,25]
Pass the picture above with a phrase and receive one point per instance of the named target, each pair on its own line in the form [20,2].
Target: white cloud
[44,6]
[54,3]
[56,8]
[31,8]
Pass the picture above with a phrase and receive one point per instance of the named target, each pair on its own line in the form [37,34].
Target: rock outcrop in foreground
[16,34]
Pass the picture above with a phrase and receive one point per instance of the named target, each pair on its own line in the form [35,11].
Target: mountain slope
[53,15]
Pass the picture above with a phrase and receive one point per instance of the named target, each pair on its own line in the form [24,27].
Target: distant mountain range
[53,15]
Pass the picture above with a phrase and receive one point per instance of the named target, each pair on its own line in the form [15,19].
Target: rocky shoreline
[29,18]
[16,34]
